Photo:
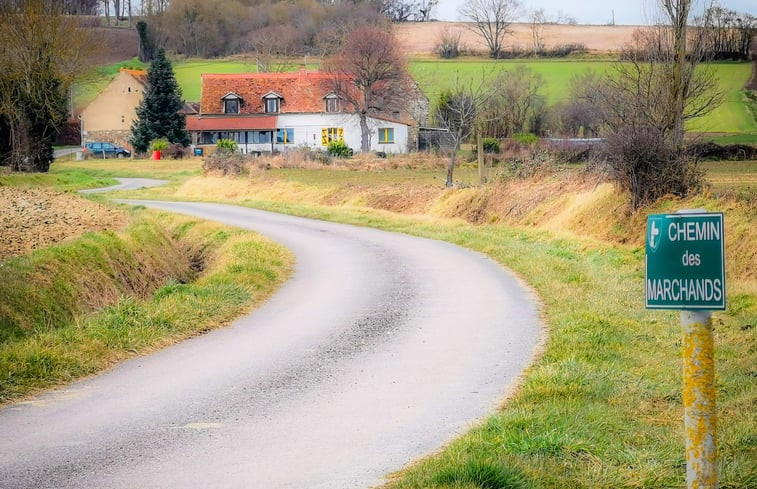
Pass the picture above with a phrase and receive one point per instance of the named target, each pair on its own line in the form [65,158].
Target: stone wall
[119,138]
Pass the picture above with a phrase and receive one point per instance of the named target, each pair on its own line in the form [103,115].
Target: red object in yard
[156,154]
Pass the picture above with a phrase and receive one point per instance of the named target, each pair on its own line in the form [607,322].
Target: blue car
[105,150]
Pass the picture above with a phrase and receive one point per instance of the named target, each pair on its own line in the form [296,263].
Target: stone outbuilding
[110,115]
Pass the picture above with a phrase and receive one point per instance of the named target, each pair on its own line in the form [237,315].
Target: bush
[563,50]
[525,138]
[226,146]
[226,162]
[339,149]
[643,162]
[714,151]
[491,145]
[448,45]
[539,162]
[159,144]
[176,151]
[69,135]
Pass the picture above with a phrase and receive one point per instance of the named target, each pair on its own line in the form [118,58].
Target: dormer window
[231,103]
[272,102]
[332,102]
[231,106]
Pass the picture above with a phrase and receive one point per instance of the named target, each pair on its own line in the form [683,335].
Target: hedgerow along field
[733,116]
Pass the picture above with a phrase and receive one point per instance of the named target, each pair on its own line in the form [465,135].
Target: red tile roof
[139,75]
[303,91]
[230,123]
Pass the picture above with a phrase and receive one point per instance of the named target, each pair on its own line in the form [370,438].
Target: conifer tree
[158,113]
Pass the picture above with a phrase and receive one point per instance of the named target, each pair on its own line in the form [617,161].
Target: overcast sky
[627,12]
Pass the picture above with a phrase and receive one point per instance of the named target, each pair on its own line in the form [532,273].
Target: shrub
[339,149]
[563,50]
[226,146]
[176,151]
[448,44]
[539,162]
[491,145]
[525,138]
[714,151]
[159,144]
[227,163]
[643,162]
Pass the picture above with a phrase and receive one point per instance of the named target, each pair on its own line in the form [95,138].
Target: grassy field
[432,76]
[732,116]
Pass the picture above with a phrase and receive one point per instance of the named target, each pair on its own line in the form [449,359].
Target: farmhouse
[266,112]
[109,116]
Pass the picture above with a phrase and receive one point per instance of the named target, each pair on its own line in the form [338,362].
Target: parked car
[104,150]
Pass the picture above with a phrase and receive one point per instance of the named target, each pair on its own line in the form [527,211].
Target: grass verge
[75,309]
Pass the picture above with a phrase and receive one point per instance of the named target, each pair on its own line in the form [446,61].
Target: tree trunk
[451,168]
[365,134]
[678,11]
[480,154]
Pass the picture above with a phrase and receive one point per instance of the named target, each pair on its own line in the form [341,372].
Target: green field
[188,73]
[433,76]
[732,117]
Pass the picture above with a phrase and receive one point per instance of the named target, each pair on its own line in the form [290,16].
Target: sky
[627,12]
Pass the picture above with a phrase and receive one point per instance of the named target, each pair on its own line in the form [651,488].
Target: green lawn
[188,73]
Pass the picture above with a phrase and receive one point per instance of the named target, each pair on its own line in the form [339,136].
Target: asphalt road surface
[127,184]
[380,349]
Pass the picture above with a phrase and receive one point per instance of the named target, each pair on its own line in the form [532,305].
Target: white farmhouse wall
[308,129]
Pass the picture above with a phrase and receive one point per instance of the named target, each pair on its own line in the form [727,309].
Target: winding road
[381,348]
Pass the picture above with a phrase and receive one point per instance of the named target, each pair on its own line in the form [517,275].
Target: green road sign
[685,266]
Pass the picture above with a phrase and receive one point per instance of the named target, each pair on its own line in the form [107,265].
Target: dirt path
[34,218]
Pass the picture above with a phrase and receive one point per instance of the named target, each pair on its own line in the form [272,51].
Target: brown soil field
[35,218]
[420,38]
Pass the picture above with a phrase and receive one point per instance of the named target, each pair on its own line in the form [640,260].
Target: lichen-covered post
[699,400]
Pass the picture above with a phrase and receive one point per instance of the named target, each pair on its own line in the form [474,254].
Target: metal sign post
[685,269]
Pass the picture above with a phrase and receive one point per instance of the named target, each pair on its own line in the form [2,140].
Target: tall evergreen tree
[158,113]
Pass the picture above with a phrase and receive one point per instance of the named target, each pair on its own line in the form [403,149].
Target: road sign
[685,262]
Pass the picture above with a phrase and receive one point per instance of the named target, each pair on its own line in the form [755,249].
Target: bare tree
[42,51]
[459,110]
[425,7]
[448,43]
[491,19]
[650,96]
[399,10]
[583,114]
[370,76]
[536,19]
[514,98]
[272,46]
[678,15]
